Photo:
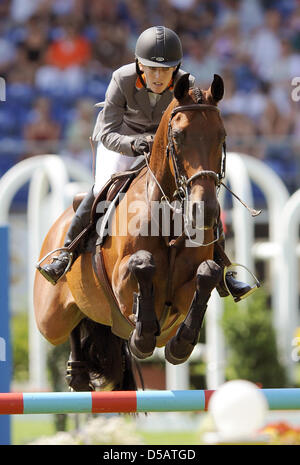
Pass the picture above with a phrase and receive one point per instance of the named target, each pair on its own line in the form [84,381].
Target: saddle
[110,193]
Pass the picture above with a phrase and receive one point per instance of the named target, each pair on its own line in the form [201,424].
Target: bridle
[182,182]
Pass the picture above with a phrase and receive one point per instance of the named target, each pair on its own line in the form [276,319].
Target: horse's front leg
[142,340]
[180,347]
[77,374]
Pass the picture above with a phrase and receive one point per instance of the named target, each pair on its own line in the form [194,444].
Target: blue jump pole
[5,352]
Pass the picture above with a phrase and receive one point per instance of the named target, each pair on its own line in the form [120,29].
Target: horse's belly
[87,291]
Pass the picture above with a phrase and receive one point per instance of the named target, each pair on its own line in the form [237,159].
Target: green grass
[25,430]
[172,438]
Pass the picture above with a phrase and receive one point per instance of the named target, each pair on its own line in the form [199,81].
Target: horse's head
[196,136]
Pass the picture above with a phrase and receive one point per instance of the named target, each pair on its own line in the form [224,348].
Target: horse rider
[135,99]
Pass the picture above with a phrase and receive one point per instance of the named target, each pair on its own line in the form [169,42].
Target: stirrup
[253,288]
[60,249]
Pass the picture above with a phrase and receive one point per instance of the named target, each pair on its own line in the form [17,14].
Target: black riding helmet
[160,47]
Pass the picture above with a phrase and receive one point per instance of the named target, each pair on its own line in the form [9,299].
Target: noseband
[182,183]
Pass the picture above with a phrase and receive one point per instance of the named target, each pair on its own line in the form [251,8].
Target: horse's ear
[217,88]
[182,87]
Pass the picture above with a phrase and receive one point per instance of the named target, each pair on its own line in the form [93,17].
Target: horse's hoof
[138,353]
[171,358]
[77,377]
[179,348]
[79,384]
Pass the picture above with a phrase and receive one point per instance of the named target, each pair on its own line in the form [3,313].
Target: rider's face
[157,79]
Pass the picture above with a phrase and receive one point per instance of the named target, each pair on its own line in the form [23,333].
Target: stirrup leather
[255,286]
[60,249]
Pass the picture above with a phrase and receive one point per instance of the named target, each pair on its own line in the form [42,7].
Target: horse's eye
[178,136]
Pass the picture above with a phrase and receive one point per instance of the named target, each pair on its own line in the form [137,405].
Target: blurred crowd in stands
[57,57]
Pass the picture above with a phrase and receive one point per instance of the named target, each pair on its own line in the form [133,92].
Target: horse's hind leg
[142,340]
[180,347]
[77,375]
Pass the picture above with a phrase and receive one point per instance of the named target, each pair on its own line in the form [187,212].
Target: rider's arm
[110,120]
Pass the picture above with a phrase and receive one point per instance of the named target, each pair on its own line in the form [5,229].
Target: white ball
[238,409]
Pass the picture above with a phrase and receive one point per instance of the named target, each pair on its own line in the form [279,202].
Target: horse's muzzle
[202,214]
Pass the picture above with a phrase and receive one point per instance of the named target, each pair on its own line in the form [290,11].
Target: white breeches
[109,163]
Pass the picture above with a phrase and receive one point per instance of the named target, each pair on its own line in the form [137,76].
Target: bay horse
[161,285]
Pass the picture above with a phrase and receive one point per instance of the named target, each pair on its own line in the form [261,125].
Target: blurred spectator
[110,47]
[41,132]
[241,132]
[64,62]
[22,10]
[138,17]
[23,72]
[238,120]
[72,49]
[250,14]
[35,39]
[7,54]
[226,45]
[66,7]
[235,100]
[78,133]
[264,45]
[4,8]
[104,11]
[269,119]
[288,65]
[182,4]
[200,62]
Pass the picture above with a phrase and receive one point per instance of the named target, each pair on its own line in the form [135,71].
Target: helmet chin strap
[139,73]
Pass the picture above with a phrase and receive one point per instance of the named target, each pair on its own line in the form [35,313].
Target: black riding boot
[238,289]
[55,270]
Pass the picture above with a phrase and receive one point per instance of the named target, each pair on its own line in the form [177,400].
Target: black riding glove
[139,146]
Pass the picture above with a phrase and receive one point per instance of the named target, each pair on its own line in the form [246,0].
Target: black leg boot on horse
[237,289]
[77,374]
[179,348]
[142,340]
[55,270]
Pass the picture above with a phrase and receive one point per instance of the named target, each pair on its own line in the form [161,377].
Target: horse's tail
[108,358]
